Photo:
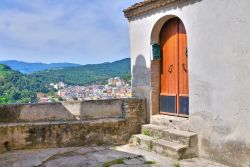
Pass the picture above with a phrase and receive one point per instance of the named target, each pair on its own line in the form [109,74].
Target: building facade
[202,71]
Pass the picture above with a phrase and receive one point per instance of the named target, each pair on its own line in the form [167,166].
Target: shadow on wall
[141,77]
[66,111]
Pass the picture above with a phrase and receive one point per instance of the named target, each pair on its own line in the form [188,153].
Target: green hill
[28,68]
[5,71]
[16,87]
[86,74]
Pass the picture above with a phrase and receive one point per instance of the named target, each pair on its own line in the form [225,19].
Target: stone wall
[34,112]
[93,109]
[52,126]
[66,111]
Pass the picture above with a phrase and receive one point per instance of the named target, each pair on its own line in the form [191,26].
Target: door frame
[177,95]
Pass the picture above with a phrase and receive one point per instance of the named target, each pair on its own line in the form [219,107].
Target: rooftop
[146,6]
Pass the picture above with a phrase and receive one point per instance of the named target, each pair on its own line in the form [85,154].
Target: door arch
[174,88]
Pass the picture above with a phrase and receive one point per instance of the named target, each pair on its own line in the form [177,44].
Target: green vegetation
[138,141]
[5,72]
[126,77]
[114,162]
[86,74]
[146,132]
[176,164]
[28,68]
[16,87]
[150,162]
[150,145]
[121,161]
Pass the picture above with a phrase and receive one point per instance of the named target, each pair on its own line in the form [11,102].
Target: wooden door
[174,98]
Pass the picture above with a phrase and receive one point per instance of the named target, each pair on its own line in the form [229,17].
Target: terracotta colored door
[174,98]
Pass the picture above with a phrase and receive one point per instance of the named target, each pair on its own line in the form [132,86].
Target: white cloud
[64,30]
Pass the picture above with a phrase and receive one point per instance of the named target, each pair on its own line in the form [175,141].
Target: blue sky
[77,31]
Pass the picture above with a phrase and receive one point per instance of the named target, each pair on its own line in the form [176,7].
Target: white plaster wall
[219,72]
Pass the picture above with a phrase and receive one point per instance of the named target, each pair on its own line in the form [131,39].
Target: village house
[191,60]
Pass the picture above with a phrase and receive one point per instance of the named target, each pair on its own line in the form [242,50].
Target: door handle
[170,69]
[184,67]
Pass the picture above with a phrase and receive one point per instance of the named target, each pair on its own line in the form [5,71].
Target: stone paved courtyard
[120,156]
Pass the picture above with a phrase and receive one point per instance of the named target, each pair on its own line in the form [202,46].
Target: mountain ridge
[86,74]
[16,87]
[28,68]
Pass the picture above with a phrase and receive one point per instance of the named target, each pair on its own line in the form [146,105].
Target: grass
[176,164]
[138,141]
[146,132]
[150,145]
[114,162]
[119,161]
[150,162]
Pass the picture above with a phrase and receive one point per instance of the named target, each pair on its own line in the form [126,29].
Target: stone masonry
[16,134]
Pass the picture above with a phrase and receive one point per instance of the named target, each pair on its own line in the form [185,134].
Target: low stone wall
[60,125]
[93,109]
[34,112]
[66,111]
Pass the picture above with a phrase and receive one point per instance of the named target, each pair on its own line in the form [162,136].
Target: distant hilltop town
[115,88]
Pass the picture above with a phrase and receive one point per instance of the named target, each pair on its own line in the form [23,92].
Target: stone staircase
[163,138]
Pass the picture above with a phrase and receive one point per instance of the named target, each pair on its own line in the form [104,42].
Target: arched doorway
[174,88]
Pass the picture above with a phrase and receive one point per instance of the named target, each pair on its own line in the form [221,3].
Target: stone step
[142,141]
[171,122]
[163,147]
[172,135]
[169,149]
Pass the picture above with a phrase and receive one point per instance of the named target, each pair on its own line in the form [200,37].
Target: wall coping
[66,111]
[147,6]
[75,102]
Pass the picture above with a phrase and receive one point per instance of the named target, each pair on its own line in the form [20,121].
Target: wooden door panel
[169,66]
[174,69]
[168,104]
[183,61]
[183,105]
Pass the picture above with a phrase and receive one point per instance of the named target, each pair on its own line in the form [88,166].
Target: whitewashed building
[191,58]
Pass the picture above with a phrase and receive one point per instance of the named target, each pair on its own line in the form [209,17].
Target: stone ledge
[67,133]
[66,111]
[62,134]
[107,120]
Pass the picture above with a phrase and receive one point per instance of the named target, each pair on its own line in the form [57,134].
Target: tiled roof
[145,6]
[139,4]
